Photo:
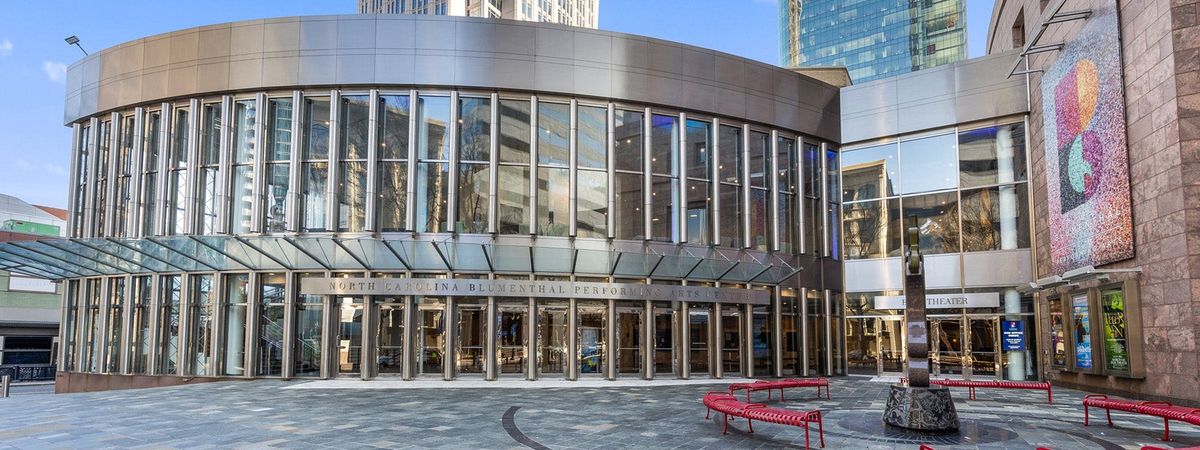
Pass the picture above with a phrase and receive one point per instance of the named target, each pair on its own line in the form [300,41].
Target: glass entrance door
[891,345]
[472,329]
[982,354]
[389,341]
[947,350]
[629,340]
[510,338]
[731,340]
[592,327]
[431,337]
[552,338]
[699,319]
[664,340]
[349,339]
[862,347]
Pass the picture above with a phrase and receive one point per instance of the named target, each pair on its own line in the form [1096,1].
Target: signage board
[943,301]
[1012,334]
[27,284]
[522,288]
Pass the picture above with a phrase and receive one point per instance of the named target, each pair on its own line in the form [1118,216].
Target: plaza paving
[521,414]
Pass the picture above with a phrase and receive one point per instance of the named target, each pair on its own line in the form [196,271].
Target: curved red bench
[727,405]
[999,384]
[1166,411]
[770,385]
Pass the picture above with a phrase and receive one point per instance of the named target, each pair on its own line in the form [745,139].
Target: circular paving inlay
[869,425]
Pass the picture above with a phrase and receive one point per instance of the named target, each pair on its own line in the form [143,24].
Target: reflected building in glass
[873,39]
[205,209]
[576,13]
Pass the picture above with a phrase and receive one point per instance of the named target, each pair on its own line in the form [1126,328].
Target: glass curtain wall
[474,170]
[212,126]
[698,156]
[277,195]
[83,151]
[787,224]
[93,335]
[433,170]
[314,164]
[176,210]
[512,198]
[392,206]
[628,181]
[760,192]
[664,183]
[241,194]
[591,216]
[354,118]
[553,173]
[729,191]
[103,146]
[150,149]
[123,160]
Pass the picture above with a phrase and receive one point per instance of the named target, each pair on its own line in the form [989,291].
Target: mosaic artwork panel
[1087,162]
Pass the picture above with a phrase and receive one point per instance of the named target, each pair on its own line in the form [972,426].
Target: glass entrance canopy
[58,259]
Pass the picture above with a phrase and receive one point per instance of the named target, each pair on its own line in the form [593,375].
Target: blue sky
[35,146]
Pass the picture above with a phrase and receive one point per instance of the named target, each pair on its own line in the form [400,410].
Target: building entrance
[968,350]
[431,337]
[511,338]
[875,345]
[389,340]
[349,336]
[629,339]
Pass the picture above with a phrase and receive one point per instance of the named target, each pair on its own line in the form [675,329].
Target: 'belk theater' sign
[521,288]
[943,301]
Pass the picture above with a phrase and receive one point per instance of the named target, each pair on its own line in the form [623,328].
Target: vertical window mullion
[134,215]
[295,158]
[494,167]
[372,188]
[533,163]
[822,178]
[610,146]
[453,130]
[681,170]
[747,184]
[714,169]
[89,210]
[573,170]
[224,177]
[165,121]
[773,193]
[411,197]
[802,199]
[334,156]
[195,117]
[72,206]
[261,115]
[115,130]
[647,173]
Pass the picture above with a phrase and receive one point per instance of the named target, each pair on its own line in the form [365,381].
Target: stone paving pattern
[261,414]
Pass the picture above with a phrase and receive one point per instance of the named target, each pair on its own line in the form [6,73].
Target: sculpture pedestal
[922,409]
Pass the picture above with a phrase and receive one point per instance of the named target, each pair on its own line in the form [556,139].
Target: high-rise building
[874,38]
[578,13]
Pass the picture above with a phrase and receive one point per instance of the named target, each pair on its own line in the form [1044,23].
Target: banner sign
[943,301]
[521,288]
[1012,334]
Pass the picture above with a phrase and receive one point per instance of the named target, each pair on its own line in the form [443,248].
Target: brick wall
[1160,42]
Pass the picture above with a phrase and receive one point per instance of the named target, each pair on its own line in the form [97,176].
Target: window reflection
[870,173]
[278,167]
[629,215]
[513,200]
[994,219]
[928,164]
[592,216]
[664,191]
[315,167]
[393,166]
[698,155]
[729,196]
[474,182]
[936,215]
[992,155]
[554,133]
[553,201]
[514,131]
[433,178]
[591,137]
[872,229]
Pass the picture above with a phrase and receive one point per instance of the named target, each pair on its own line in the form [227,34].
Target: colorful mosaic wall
[1087,166]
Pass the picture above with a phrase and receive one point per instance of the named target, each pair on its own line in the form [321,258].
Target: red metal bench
[770,385]
[727,405]
[1166,411]
[1000,384]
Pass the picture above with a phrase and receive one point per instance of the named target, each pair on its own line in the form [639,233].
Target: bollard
[4,386]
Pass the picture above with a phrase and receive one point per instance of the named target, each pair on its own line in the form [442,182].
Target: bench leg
[1108,413]
[750,423]
[972,393]
[725,430]
[1049,395]
[781,395]
[1166,429]
[707,414]
[821,428]
[806,435]
[1085,415]
[826,392]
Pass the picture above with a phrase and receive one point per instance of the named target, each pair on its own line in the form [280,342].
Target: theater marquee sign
[518,288]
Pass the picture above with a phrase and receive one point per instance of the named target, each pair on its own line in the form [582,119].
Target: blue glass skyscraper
[872,38]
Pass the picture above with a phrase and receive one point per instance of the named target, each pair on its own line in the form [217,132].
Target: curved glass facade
[257,191]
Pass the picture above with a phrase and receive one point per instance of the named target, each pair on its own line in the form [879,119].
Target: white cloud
[55,169]
[6,47]
[56,71]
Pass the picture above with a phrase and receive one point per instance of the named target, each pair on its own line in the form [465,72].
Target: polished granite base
[921,408]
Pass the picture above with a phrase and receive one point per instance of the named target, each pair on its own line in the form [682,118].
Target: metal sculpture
[914,312]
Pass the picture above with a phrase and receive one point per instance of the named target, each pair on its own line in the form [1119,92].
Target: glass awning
[57,259]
